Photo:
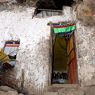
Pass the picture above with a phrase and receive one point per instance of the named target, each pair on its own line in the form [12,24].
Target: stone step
[56,87]
[89,90]
[51,93]
[66,92]
[71,91]
[66,89]
[65,85]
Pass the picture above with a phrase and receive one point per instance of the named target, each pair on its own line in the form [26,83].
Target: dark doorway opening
[60,74]
[56,5]
[53,4]
[64,64]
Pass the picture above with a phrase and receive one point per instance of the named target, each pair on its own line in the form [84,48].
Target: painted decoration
[11,49]
[63,29]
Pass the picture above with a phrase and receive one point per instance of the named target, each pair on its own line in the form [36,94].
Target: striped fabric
[63,29]
[11,49]
[12,42]
[12,45]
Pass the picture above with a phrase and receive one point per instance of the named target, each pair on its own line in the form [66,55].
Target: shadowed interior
[64,60]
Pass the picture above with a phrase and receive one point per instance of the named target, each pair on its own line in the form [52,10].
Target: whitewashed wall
[86,52]
[34,36]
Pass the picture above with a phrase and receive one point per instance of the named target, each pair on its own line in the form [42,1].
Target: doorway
[64,63]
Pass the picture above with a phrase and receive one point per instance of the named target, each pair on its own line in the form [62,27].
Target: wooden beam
[50,10]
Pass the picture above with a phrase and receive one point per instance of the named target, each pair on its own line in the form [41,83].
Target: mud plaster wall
[34,36]
[85,37]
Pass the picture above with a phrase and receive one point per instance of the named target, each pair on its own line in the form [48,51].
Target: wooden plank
[50,10]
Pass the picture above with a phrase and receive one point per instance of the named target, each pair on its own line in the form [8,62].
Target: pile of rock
[5,90]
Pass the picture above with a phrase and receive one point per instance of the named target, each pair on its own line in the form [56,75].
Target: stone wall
[86,40]
[86,52]
[33,56]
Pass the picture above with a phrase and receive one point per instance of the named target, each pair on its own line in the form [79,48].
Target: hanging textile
[66,31]
[4,61]
[11,49]
[63,29]
[3,57]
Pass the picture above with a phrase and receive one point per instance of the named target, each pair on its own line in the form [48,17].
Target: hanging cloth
[11,49]
[4,58]
[63,29]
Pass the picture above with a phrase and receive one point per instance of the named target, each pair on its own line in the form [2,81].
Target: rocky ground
[55,90]
[5,90]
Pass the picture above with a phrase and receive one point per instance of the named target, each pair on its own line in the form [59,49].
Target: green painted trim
[64,29]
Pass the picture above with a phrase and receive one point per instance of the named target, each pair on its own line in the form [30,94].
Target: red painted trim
[12,45]
[62,26]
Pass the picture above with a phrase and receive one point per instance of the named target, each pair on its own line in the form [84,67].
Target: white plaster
[34,36]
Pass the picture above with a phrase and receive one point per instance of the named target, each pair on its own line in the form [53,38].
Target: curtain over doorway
[64,63]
